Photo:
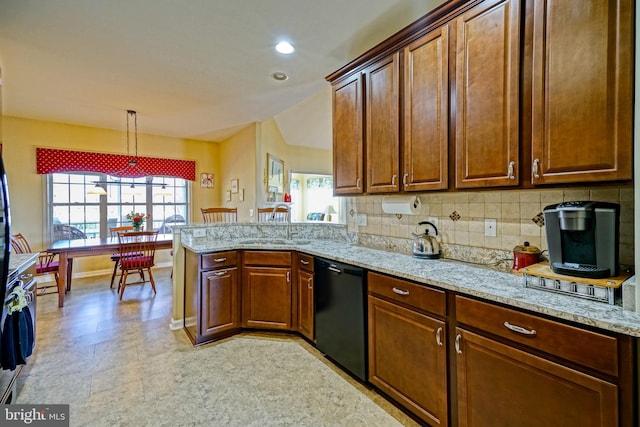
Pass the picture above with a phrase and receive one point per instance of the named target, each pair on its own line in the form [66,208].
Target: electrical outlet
[361,219]
[433,220]
[199,232]
[490,226]
[250,212]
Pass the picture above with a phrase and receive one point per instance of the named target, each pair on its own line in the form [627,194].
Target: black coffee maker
[583,238]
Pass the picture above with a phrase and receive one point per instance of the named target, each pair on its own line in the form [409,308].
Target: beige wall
[238,161]
[27,189]
[244,157]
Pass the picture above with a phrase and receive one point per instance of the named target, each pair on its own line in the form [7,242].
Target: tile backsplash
[461,218]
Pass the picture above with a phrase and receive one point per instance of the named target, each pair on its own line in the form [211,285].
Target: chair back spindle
[225,215]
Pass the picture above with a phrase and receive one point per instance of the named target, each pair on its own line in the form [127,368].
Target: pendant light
[97,190]
[132,168]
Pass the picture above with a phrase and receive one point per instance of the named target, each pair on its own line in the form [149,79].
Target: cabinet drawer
[305,262]
[408,293]
[587,348]
[270,258]
[219,260]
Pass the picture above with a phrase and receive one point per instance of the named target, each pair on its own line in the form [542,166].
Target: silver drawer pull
[519,329]
[220,273]
[457,344]
[439,337]
[219,259]
[400,291]
[304,262]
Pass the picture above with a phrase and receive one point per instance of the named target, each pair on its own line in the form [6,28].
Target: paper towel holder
[406,204]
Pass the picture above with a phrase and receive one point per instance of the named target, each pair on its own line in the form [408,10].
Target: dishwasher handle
[334,269]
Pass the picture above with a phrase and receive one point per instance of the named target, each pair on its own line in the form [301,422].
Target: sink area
[274,242]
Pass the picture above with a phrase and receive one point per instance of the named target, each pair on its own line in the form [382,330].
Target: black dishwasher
[340,315]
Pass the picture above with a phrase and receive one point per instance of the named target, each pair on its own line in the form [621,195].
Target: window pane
[78,214]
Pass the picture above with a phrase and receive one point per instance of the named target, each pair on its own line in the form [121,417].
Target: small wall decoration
[234,185]
[275,174]
[206,180]
[228,195]
[241,195]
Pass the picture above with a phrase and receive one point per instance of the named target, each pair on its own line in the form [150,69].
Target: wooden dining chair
[113,232]
[47,263]
[220,214]
[268,215]
[137,251]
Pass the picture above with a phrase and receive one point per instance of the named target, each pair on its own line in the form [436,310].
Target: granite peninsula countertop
[506,288]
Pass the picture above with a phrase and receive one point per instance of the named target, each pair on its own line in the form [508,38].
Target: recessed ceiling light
[279,76]
[285,47]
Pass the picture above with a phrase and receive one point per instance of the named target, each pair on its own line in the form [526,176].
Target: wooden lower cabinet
[306,301]
[407,359]
[266,297]
[220,301]
[211,296]
[407,346]
[499,385]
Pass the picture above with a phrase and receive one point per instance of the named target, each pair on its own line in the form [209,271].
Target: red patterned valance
[52,161]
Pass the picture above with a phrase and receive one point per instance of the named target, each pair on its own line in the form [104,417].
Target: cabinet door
[266,298]
[383,125]
[499,385]
[220,309]
[305,304]
[426,112]
[348,154]
[407,359]
[582,91]
[487,107]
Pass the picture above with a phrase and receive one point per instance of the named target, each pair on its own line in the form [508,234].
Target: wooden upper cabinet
[383,125]
[348,154]
[487,99]
[582,91]
[426,112]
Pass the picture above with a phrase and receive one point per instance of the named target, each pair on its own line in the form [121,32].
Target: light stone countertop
[506,288]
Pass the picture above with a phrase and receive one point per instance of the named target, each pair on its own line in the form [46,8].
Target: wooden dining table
[67,250]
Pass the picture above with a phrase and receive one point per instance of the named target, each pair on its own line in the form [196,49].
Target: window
[313,200]
[76,214]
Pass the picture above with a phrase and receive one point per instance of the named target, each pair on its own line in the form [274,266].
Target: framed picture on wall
[228,195]
[234,185]
[206,180]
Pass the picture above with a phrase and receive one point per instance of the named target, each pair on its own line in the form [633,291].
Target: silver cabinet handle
[358,183]
[510,169]
[534,168]
[288,276]
[457,344]
[439,337]
[309,285]
[400,291]
[219,259]
[220,273]
[303,262]
[519,329]
[404,179]
[393,179]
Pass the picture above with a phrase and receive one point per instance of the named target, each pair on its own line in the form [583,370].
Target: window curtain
[52,161]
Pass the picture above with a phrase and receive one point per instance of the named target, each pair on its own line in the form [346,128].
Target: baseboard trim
[176,324]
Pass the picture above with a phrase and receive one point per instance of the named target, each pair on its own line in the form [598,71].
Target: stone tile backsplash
[461,220]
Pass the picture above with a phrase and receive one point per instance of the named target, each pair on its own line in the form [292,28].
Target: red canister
[525,255]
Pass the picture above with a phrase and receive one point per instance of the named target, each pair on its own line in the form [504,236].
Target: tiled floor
[118,363]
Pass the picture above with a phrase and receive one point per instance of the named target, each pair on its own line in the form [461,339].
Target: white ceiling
[195,69]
